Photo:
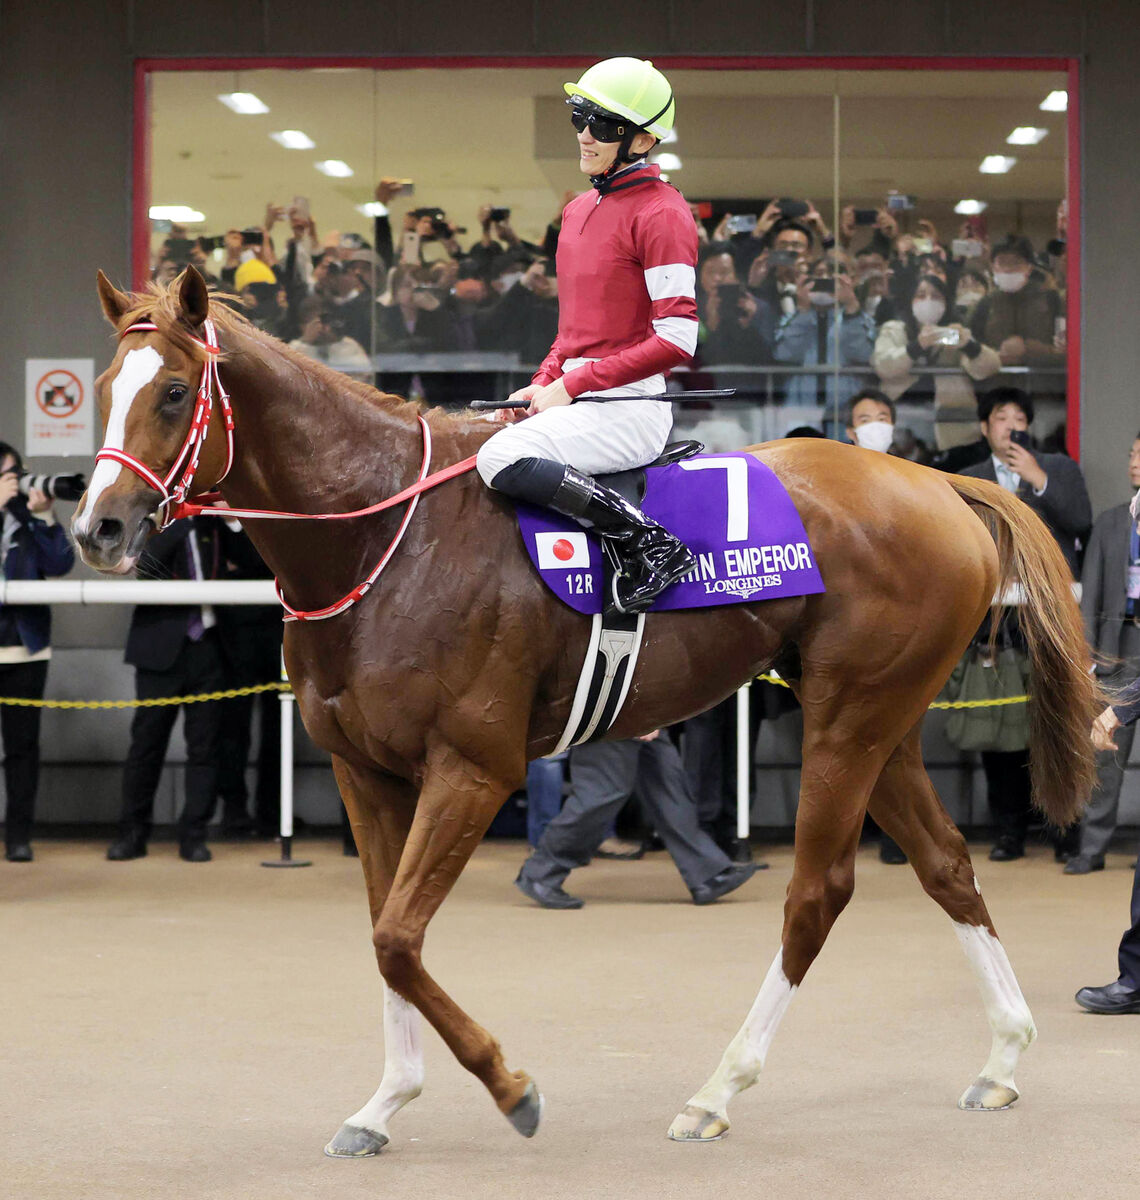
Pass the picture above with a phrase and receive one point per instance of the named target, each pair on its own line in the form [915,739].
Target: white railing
[262,591]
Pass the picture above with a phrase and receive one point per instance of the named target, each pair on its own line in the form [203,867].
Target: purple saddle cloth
[729,509]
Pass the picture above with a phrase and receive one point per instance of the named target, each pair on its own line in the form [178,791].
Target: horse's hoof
[984,1095]
[526,1115]
[698,1125]
[353,1142]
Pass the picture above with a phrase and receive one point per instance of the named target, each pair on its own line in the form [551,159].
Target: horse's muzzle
[111,543]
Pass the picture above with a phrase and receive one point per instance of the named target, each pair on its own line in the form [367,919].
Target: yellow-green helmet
[632,88]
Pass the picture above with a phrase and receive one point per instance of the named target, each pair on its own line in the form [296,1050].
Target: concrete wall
[65,128]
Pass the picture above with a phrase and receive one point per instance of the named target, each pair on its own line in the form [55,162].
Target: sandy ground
[200,1031]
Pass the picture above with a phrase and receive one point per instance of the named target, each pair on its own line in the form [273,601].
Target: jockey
[626,261]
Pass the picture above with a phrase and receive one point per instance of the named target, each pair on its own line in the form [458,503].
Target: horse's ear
[193,297]
[114,302]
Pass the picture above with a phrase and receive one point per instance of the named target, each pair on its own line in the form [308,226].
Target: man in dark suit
[1053,486]
[1123,994]
[175,651]
[1110,605]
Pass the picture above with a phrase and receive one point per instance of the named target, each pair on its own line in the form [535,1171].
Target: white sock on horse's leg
[1008,1014]
[705,1116]
[366,1131]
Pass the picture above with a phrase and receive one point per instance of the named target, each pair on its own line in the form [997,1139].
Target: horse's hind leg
[906,806]
[838,773]
[380,811]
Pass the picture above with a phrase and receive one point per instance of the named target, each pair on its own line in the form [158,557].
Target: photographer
[413,321]
[323,338]
[778,216]
[525,318]
[32,546]
[828,327]
[735,326]
[1020,316]
[927,335]
[343,294]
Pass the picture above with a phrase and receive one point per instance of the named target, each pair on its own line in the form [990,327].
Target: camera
[897,202]
[209,244]
[730,294]
[793,209]
[58,487]
[865,216]
[500,214]
[741,223]
[967,248]
[783,258]
[252,237]
[823,285]
[178,249]
[1020,437]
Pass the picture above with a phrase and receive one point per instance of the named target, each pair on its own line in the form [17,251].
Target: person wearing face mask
[1020,316]
[928,336]
[626,263]
[871,420]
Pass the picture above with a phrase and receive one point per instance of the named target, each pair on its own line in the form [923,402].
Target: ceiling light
[668,162]
[996,164]
[372,209]
[181,213]
[1027,135]
[293,139]
[245,103]
[334,167]
[1055,102]
[970,208]
[669,138]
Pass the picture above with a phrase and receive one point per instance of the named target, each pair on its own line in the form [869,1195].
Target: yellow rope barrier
[233,693]
[157,702]
[770,678]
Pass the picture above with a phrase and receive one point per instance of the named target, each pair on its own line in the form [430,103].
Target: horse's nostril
[107,532]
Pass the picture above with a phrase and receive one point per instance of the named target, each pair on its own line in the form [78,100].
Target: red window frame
[140,157]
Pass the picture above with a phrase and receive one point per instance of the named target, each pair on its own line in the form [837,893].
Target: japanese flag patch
[561,550]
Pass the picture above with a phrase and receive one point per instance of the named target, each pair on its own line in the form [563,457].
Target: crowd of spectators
[885,298]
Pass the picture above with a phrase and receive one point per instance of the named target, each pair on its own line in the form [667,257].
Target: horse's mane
[160,304]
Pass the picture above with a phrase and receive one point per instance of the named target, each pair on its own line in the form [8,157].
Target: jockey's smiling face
[596,158]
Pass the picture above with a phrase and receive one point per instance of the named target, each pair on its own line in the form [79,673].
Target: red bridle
[174,504]
[188,457]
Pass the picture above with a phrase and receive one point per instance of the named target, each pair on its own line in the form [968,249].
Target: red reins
[174,505]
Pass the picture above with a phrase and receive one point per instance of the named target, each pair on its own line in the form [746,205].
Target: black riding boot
[646,558]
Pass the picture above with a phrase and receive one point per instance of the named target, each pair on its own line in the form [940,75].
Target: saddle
[631,483]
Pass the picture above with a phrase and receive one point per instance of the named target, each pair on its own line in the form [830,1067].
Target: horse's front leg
[456,804]
[380,809]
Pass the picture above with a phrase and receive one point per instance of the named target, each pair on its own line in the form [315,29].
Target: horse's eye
[175,394]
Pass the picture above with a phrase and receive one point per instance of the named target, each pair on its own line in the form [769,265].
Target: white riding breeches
[593,436]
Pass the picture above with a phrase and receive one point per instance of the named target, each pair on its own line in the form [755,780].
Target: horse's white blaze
[138,369]
[1008,1014]
[403,1077]
[744,1059]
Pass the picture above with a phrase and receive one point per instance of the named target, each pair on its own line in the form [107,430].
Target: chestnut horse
[433,692]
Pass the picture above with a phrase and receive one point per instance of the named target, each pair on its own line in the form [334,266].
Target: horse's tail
[1066,697]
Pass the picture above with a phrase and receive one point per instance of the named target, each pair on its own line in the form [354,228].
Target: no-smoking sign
[58,406]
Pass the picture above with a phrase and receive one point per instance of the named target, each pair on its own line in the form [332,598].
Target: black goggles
[605,127]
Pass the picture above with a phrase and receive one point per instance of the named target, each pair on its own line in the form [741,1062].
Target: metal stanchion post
[741,850]
[286,859]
